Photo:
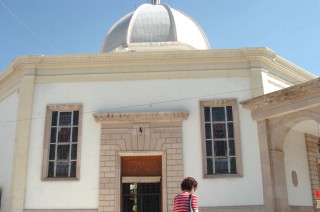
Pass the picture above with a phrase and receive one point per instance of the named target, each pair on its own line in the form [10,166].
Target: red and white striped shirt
[181,202]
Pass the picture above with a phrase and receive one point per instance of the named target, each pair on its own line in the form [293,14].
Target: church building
[119,130]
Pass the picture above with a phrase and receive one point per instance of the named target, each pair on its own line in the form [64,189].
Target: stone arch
[281,129]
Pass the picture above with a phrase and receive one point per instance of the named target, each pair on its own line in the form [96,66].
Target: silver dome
[154,27]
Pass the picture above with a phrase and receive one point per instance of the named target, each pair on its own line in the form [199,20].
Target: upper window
[62,143]
[221,137]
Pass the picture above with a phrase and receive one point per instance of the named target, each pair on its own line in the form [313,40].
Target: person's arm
[195,204]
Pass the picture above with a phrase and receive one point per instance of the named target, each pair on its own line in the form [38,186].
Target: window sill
[60,179]
[219,176]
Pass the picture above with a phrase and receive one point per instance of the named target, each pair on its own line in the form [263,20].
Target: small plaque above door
[141,166]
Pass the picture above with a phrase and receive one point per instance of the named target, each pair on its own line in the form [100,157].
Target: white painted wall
[295,159]
[152,95]
[8,116]
[272,84]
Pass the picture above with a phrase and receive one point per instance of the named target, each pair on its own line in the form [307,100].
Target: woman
[182,201]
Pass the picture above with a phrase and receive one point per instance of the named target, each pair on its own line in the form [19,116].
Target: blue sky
[291,28]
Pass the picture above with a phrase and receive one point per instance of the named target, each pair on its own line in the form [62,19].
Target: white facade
[151,89]
[156,96]
[8,120]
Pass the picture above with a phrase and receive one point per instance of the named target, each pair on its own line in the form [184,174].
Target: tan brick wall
[118,138]
[313,157]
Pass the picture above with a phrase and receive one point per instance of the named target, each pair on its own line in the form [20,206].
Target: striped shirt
[181,202]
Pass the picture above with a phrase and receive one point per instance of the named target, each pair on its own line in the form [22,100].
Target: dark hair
[188,183]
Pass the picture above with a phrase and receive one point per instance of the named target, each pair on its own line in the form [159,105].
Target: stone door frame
[139,134]
[141,153]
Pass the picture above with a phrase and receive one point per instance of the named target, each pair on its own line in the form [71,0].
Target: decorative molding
[63,107]
[141,117]
[77,67]
[288,94]
[218,102]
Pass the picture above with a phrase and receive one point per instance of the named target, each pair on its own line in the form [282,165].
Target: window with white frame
[221,137]
[62,142]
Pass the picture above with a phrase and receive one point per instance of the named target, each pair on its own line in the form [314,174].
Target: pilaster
[279,181]
[268,190]
[22,140]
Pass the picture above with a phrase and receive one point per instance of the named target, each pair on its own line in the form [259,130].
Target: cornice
[295,92]
[140,65]
[141,117]
[128,58]
[62,107]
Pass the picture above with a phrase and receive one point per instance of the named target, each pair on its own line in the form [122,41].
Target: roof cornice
[197,58]
[271,104]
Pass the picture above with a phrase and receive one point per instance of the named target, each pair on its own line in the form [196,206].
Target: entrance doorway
[141,197]
[141,184]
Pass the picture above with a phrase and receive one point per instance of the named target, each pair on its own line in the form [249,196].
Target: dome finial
[155,2]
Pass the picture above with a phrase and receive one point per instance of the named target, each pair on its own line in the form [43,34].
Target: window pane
[62,169]
[218,114]
[219,130]
[63,152]
[52,154]
[209,148]
[53,135]
[208,130]
[73,171]
[220,148]
[233,167]
[230,130]
[65,118]
[64,134]
[75,117]
[221,165]
[229,113]
[74,152]
[51,169]
[63,147]
[209,166]
[54,118]
[232,150]
[74,134]
[207,114]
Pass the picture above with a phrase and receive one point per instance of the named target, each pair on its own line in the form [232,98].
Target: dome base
[152,46]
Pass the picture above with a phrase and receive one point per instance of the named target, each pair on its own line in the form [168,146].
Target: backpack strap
[190,203]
